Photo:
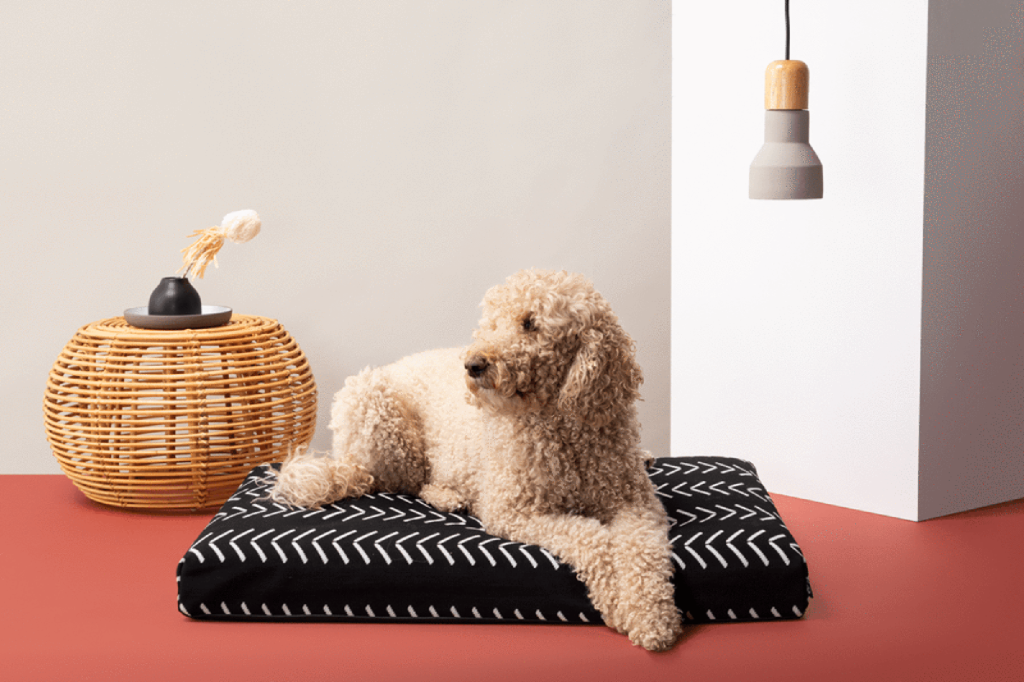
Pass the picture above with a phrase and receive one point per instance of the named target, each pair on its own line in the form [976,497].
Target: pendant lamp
[786,167]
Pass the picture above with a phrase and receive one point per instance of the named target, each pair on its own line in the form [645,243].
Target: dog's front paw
[657,629]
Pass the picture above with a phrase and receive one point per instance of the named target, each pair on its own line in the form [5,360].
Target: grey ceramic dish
[212,316]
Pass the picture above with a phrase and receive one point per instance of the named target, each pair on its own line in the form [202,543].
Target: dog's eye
[528,324]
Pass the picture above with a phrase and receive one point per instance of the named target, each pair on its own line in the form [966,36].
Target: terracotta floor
[88,593]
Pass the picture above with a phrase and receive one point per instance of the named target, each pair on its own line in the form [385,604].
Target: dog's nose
[476,366]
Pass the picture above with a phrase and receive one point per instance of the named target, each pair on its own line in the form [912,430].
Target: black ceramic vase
[175,296]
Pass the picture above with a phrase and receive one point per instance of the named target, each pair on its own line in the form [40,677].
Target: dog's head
[549,341]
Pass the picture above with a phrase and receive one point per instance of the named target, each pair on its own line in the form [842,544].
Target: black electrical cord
[787,30]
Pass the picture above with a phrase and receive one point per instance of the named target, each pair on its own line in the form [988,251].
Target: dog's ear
[604,378]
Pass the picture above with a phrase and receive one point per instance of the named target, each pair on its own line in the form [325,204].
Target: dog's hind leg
[378,447]
[443,498]
[309,479]
[376,427]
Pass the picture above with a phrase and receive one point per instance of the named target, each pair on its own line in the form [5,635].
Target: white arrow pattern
[406,531]
[280,552]
[238,551]
[304,545]
[368,508]
[263,557]
[538,615]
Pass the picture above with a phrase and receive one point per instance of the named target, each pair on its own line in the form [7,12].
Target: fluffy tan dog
[532,429]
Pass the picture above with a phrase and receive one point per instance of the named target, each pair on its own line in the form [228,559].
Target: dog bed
[394,557]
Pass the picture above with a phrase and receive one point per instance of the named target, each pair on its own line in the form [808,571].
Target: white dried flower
[241,226]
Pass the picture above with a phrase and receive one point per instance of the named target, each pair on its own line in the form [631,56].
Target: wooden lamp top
[786,84]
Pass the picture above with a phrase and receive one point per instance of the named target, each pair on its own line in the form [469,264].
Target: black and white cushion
[389,556]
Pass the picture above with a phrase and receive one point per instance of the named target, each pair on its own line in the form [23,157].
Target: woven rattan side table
[175,420]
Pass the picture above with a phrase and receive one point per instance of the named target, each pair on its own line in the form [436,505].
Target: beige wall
[404,156]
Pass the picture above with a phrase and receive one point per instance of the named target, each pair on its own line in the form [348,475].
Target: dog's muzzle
[476,366]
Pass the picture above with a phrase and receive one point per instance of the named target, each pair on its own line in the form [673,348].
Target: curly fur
[533,429]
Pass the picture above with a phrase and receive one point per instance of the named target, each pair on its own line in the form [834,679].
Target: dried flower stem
[202,251]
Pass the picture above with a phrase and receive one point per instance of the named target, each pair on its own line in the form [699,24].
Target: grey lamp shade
[786,167]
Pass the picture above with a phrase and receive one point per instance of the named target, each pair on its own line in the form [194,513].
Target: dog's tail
[312,479]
